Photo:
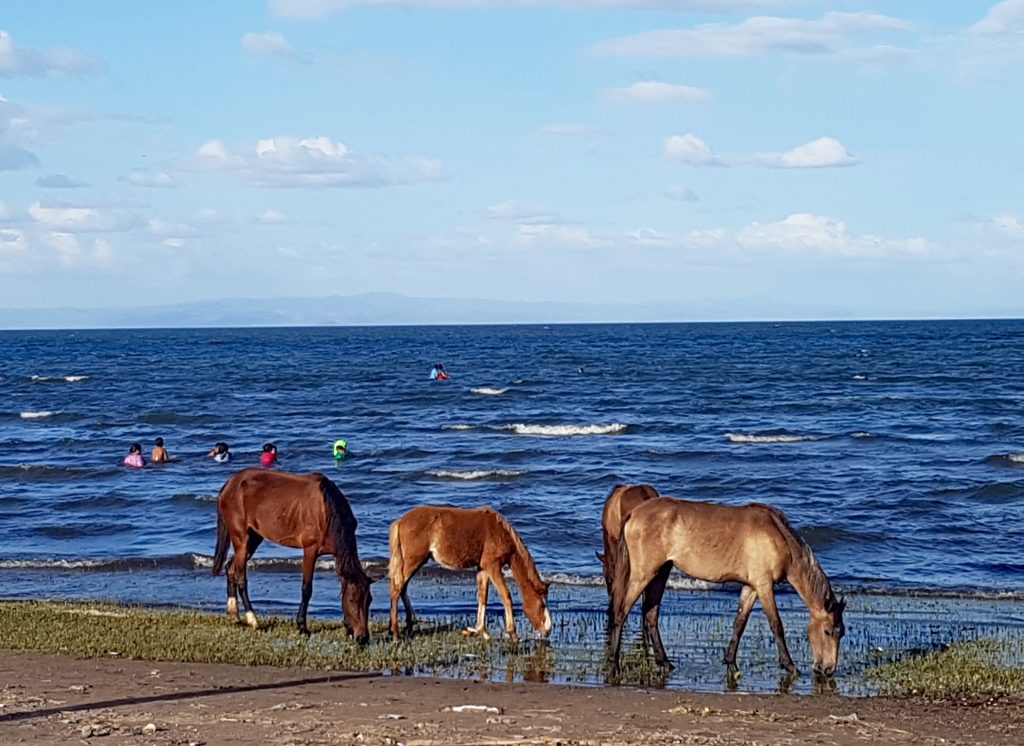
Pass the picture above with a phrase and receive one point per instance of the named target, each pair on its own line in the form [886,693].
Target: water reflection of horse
[621,500]
[305,511]
[459,539]
[753,545]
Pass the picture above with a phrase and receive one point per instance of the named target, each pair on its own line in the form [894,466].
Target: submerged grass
[975,668]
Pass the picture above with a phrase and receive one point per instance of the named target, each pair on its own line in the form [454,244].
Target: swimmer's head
[159,442]
[269,448]
[136,448]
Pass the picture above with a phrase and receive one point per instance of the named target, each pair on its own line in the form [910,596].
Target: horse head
[825,632]
[535,606]
[355,602]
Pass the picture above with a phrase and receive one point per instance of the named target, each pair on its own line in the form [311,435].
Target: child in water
[134,458]
[269,456]
[159,454]
[220,452]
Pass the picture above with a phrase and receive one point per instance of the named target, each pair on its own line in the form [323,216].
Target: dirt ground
[48,699]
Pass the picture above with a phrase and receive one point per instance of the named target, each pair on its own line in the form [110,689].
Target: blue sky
[779,157]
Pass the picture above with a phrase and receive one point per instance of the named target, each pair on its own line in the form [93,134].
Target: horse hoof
[468,632]
[304,630]
[250,619]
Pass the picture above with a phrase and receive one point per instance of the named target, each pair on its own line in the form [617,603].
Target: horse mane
[341,528]
[522,557]
[803,557]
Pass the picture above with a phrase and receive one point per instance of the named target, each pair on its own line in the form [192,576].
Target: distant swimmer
[220,453]
[269,456]
[134,458]
[160,454]
[438,373]
[341,451]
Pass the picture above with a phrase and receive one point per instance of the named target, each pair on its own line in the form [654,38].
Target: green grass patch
[969,669]
[107,630]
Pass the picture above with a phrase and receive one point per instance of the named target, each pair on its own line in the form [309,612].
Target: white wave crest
[563,430]
[762,439]
[1016,458]
[36,415]
[478,474]
[458,427]
[43,564]
[488,391]
[74,379]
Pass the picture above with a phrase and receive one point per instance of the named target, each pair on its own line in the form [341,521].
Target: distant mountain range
[384,309]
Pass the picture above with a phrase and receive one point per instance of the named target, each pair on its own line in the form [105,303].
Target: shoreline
[51,699]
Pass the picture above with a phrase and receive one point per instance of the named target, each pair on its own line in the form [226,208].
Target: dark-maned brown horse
[752,544]
[621,500]
[305,511]
[459,539]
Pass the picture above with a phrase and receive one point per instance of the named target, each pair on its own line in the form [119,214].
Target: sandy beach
[48,699]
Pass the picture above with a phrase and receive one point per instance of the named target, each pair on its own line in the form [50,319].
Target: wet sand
[47,699]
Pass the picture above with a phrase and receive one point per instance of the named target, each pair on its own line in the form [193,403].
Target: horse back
[287,509]
[621,501]
[456,537]
[718,543]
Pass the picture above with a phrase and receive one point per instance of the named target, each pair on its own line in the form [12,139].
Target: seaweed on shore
[968,669]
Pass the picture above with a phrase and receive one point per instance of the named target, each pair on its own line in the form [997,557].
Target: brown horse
[621,500]
[752,544]
[305,511]
[459,540]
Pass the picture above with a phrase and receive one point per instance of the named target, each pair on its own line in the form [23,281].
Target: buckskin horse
[305,511]
[753,545]
[620,501]
[459,539]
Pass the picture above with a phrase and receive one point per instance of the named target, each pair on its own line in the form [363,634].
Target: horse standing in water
[621,500]
[752,544]
[459,540]
[305,511]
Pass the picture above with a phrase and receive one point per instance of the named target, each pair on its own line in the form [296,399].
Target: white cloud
[12,242]
[807,233]
[1006,17]
[269,44]
[755,36]
[153,179]
[17,61]
[691,149]
[174,243]
[824,152]
[1009,225]
[71,252]
[77,219]
[273,217]
[286,161]
[656,92]
[312,9]
[518,212]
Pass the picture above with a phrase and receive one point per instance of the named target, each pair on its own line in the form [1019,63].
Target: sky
[808,158]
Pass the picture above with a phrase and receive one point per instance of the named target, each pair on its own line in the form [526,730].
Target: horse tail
[620,582]
[396,563]
[220,554]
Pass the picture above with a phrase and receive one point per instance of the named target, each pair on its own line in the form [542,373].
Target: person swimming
[220,453]
[340,450]
[134,458]
[159,454]
[438,373]
[269,456]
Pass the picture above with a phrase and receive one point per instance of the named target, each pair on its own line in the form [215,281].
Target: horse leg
[309,555]
[410,614]
[621,607]
[506,599]
[651,606]
[232,592]
[767,597]
[747,600]
[482,587]
[242,557]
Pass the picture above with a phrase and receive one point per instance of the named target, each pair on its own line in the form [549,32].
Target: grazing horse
[459,540]
[752,544]
[305,511]
[621,500]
